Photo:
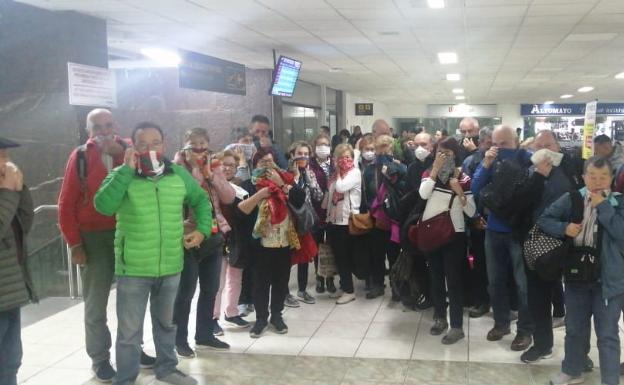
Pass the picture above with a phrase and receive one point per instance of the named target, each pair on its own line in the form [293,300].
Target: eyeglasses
[228,165]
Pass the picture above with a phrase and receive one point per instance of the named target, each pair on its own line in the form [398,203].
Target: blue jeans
[582,301]
[132,296]
[10,346]
[504,255]
[208,271]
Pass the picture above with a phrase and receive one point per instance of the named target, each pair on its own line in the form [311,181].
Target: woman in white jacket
[443,185]
[345,192]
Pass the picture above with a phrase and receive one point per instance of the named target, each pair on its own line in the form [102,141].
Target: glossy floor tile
[365,342]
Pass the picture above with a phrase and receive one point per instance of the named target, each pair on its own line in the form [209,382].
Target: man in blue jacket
[600,295]
[502,249]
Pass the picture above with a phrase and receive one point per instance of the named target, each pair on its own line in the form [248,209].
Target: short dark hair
[444,132]
[597,162]
[601,139]
[325,127]
[450,143]
[260,119]
[344,132]
[261,153]
[145,126]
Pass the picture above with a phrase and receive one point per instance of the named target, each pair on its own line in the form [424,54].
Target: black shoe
[238,321]
[320,284]
[375,292]
[212,344]
[534,355]
[279,325]
[521,343]
[216,330]
[147,362]
[589,365]
[184,350]
[497,334]
[479,311]
[439,327]
[423,303]
[258,329]
[104,372]
[331,288]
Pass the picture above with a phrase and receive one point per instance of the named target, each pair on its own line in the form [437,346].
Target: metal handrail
[74,281]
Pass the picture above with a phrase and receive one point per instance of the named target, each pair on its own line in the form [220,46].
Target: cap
[7,143]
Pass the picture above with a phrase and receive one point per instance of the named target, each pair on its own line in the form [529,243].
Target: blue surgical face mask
[385,158]
[506,153]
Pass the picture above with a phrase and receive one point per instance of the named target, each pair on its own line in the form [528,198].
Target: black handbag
[582,265]
[211,246]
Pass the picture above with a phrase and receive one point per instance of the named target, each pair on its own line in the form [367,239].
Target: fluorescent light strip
[453,77]
[447,57]
[566,96]
[585,89]
[435,4]
[458,90]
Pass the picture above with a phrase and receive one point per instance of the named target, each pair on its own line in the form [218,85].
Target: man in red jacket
[91,235]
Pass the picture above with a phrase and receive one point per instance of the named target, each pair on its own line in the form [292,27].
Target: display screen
[285,77]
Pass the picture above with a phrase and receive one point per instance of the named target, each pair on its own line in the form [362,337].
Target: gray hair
[95,112]
[485,132]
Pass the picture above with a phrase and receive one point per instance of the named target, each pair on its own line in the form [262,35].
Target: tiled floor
[365,342]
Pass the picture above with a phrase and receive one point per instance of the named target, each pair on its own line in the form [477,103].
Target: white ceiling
[510,51]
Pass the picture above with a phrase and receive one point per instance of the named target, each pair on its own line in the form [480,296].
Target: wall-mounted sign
[91,86]
[202,72]
[588,129]
[363,109]
[569,109]
[461,110]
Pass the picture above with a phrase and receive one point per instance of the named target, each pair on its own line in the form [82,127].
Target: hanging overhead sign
[91,86]
[461,110]
[569,109]
[202,72]
[588,129]
[363,109]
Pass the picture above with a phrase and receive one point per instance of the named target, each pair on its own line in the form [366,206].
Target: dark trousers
[446,266]
[558,300]
[341,243]
[540,297]
[10,346]
[421,273]
[504,261]
[381,246]
[246,295]
[302,276]
[478,274]
[271,273]
[208,271]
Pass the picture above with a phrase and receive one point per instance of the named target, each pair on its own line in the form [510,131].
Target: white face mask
[322,151]
[421,153]
[368,155]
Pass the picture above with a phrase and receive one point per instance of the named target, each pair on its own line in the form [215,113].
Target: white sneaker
[564,379]
[345,298]
[336,294]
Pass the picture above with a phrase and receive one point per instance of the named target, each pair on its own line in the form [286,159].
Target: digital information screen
[285,78]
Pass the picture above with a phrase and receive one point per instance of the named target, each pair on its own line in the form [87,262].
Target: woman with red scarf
[345,192]
[275,237]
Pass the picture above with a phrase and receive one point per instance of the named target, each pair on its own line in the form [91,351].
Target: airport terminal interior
[419,68]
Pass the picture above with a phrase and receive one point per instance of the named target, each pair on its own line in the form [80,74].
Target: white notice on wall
[91,86]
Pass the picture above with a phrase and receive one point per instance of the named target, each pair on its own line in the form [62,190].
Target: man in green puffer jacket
[148,194]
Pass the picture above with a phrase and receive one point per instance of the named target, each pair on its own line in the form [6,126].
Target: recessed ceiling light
[566,96]
[460,97]
[435,4]
[162,56]
[620,75]
[549,102]
[458,90]
[453,77]
[335,69]
[389,33]
[585,89]
[447,57]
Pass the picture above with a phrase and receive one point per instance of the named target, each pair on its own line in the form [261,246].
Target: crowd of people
[447,218]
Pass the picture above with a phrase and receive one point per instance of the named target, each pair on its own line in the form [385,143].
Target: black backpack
[500,196]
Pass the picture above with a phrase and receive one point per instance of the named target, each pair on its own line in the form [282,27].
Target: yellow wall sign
[588,129]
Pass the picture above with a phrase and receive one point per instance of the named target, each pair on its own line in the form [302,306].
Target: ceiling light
[435,4]
[460,97]
[453,77]
[389,33]
[566,96]
[335,69]
[447,57]
[549,102]
[585,89]
[458,90]
[620,75]
[162,56]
